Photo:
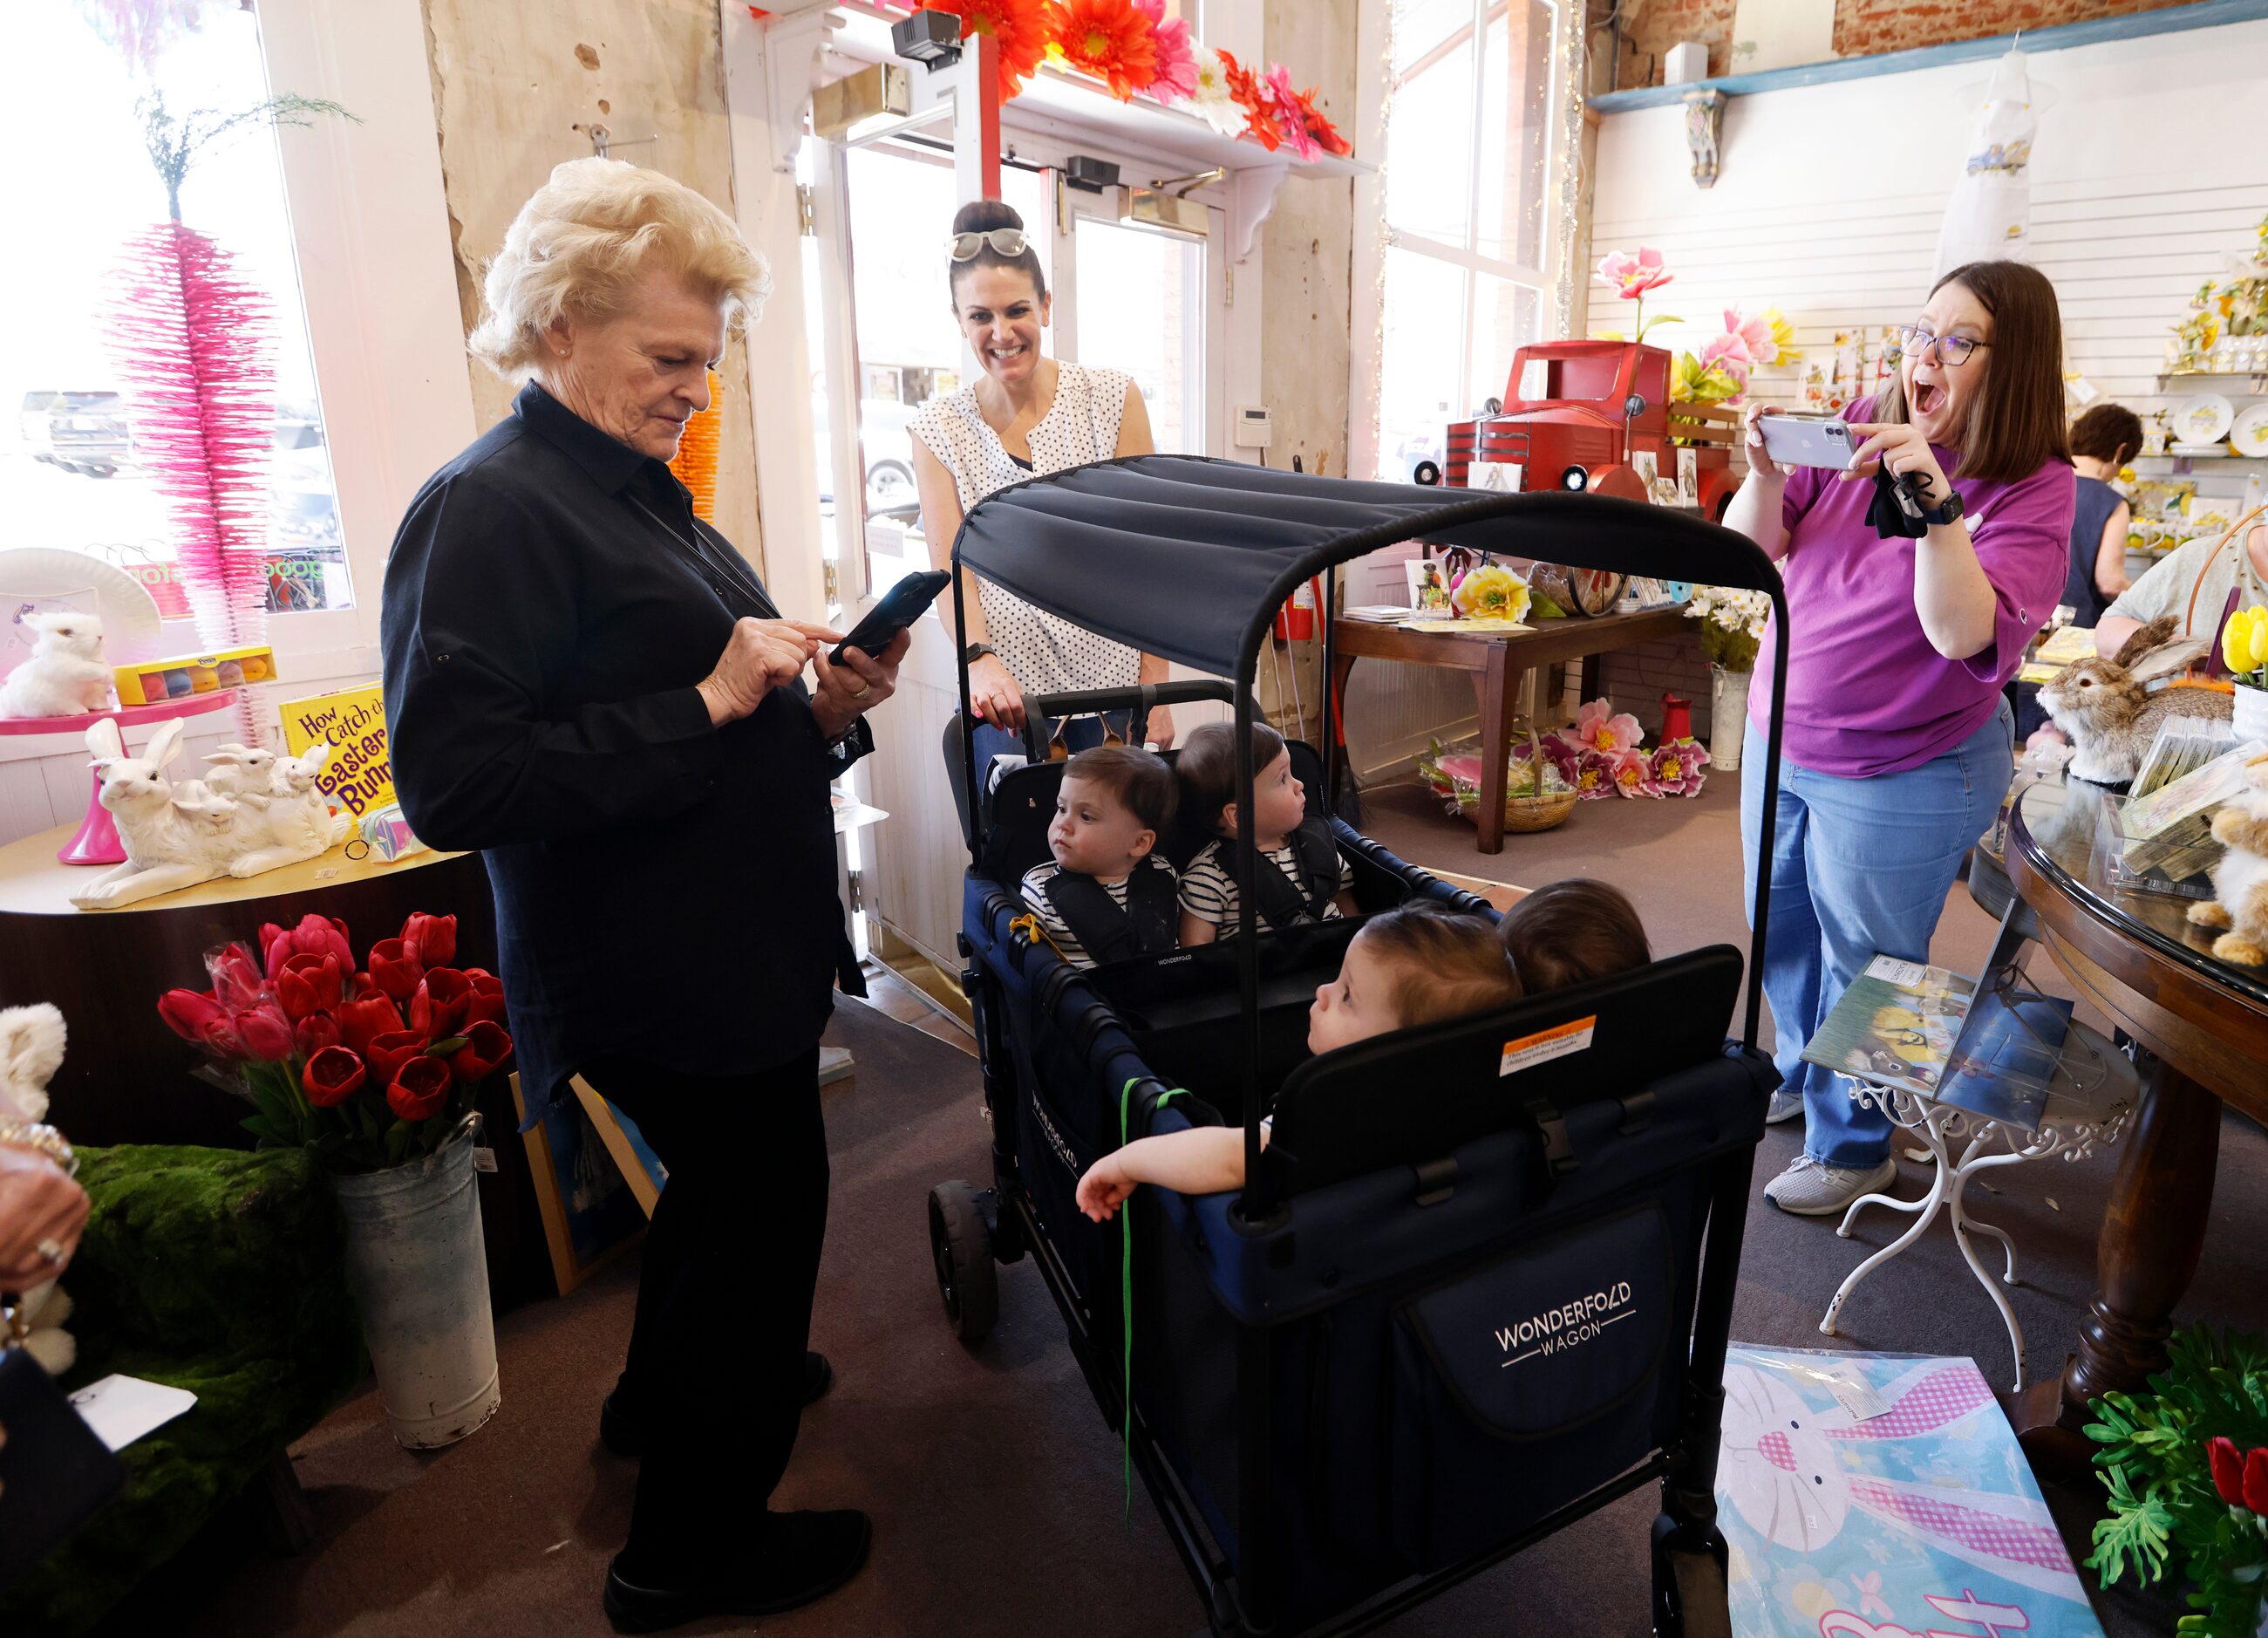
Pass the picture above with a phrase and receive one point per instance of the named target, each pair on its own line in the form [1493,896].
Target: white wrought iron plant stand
[2083,1113]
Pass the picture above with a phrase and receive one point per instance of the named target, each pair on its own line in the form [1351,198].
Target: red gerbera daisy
[1110,39]
[1259,116]
[1019,26]
[1326,135]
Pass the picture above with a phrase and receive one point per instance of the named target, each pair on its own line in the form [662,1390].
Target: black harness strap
[1149,925]
[1284,904]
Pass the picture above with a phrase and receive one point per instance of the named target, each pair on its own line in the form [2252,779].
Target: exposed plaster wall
[517,88]
[1307,246]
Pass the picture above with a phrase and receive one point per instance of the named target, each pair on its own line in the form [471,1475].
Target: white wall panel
[2147,175]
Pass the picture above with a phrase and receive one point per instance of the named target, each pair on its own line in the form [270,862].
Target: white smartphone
[1799,440]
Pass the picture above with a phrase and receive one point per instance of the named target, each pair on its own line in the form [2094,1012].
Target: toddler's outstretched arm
[1204,1159]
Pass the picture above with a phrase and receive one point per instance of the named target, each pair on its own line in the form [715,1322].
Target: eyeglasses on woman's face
[1952,351]
[1005,242]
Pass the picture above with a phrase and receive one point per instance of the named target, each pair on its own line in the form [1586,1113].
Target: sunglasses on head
[1005,242]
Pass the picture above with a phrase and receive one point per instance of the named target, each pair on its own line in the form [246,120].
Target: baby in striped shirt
[1107,896]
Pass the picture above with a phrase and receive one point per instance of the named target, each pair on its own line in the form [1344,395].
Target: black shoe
[620,1433]
[805,1557]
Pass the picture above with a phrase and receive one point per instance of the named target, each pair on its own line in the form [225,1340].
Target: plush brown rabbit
[2108,714]
[2240,880]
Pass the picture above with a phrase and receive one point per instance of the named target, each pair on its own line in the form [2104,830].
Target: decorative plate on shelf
[2249,435]
[2203,419]
[128,613]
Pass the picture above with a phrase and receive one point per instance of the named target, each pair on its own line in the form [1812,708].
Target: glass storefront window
[72,473]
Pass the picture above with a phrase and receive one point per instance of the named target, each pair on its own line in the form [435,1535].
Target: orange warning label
[1559,1041]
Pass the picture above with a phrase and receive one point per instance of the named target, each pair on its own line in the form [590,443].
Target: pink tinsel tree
[194,343]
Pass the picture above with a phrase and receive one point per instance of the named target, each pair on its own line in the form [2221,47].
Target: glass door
[1134,297]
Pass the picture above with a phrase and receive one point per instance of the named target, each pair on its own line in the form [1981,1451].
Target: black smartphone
[899,606]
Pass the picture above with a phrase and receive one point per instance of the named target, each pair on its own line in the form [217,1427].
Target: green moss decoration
[221,1273]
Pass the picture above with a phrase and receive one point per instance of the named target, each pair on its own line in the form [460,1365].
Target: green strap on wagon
[1126,1296]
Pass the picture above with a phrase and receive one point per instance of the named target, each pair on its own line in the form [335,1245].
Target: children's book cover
[1895,1025]
[359,776]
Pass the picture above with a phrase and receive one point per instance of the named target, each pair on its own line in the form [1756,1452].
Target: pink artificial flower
[1677,767]
[1633,773]
[1595,774]
[1177,57]
[1633,275]
[1732,350]
[1280,92]
[1598,727]
[1562,756]
[1757,339]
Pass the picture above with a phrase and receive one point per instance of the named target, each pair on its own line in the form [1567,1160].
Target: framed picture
[590,1214]
[1689,475]
[1429,586]
[639,1165]
[1648,465]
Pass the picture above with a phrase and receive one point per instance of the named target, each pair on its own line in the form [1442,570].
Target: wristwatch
[975,652]
[1945,512]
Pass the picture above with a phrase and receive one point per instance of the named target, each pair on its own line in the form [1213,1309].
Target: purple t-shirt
[1867,694]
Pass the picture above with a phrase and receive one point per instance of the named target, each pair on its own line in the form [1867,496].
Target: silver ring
[51,1249]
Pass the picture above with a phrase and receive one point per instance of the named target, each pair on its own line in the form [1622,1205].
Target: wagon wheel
[961,1249]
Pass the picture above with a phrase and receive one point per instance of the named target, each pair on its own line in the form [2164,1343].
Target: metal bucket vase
[1729,717]
[419,1276]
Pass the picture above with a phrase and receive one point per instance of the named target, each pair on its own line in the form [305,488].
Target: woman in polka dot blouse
[1026,414]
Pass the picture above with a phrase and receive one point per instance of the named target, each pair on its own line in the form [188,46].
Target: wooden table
[1499,660]
[2204,1025]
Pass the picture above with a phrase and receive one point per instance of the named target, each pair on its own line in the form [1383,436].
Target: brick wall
[1862,27]
[1636,679]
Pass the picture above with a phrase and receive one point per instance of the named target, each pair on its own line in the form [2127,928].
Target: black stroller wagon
[1479,1282]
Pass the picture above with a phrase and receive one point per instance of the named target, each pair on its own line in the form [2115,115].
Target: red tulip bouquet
[369,1067]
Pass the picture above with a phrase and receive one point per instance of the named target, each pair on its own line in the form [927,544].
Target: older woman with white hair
[591,687]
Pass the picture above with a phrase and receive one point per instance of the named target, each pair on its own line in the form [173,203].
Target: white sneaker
[1811,1188]
[1785,1106]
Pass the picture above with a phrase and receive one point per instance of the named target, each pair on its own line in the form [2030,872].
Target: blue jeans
[1078,733]
[1859,867]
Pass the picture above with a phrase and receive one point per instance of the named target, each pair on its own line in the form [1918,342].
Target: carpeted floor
[994,1484]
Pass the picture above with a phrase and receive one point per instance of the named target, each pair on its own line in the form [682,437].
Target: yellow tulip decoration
[2244,645]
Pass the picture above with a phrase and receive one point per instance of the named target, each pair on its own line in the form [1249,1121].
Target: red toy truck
[1597,404]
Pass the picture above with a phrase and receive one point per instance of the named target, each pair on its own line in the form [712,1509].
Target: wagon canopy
[1188,557]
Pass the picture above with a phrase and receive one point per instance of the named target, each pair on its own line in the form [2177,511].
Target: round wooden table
[126,1076]
[2203,1026]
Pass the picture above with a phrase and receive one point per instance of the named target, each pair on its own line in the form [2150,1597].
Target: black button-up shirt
[664,888]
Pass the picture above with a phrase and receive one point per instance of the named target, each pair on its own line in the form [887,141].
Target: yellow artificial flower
[1782,334]
[1491,592]
[2244,642]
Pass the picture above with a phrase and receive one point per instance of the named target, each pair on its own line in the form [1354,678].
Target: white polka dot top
[1045,653]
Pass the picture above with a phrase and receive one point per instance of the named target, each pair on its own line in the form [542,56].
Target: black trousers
[715,1376]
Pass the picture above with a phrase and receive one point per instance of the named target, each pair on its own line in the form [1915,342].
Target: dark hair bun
[982,215]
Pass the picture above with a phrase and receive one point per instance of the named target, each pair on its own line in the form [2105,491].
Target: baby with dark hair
[1107,895]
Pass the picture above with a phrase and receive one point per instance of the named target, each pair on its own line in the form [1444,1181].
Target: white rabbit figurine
[291,822]
[239,769]
[65,675]
[165,848]
[31,1051]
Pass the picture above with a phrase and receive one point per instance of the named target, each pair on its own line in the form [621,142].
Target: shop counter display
[2204,1024]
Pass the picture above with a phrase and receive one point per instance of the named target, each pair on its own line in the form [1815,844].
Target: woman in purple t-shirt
[1898,744]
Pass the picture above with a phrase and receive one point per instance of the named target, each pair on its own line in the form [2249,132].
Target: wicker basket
[1526,814]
